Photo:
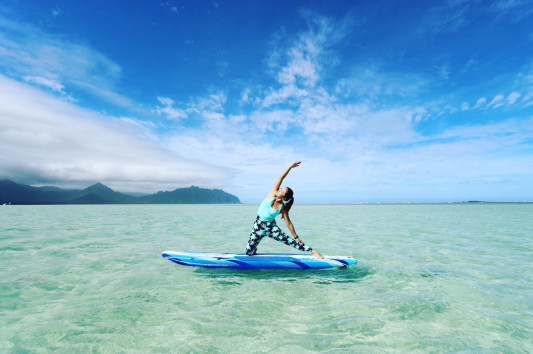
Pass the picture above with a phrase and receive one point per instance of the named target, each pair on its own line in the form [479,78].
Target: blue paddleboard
[258,261]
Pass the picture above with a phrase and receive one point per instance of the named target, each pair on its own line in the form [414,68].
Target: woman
[279,200]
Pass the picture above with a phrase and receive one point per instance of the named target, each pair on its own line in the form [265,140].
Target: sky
[382,101]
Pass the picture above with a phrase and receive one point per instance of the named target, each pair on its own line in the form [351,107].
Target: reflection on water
[351,274]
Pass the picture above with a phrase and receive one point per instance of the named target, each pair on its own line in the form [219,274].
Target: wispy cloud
[373,84]
[516,10]
[168,110]
[299,67]
[496,102]
[52,84]
[513,97]
[481,102]
[449,16]
[50,61]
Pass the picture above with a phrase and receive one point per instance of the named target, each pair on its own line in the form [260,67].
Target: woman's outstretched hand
[296,164]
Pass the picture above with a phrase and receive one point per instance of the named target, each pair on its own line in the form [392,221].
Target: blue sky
[388,101]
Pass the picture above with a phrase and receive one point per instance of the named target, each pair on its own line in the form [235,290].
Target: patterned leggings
[269,228]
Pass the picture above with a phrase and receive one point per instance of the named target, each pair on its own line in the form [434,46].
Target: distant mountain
[24,194]
[101,194]
[14,193]
[191,195]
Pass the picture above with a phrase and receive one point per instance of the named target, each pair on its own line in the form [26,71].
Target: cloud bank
[46,140]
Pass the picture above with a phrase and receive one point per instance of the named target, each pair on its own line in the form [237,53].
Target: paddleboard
[258,261]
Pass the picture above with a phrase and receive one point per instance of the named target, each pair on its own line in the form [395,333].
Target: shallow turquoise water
[431,278]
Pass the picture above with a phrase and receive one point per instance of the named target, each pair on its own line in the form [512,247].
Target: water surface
[431,278]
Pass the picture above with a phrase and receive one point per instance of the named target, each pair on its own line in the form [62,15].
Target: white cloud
[301,66]
[480,102]
[52,84]
[366,167]
[51,61]
[166,101]
[283,95]
[496,102]
[298,68]
[213,102]
[47,140]
[372,83]
[513,97]
[208,108]
[276,122]
[168,110]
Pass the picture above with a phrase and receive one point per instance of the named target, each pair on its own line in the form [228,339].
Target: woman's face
[282,192]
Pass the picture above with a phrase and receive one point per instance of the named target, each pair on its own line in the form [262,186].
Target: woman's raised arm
[277,185]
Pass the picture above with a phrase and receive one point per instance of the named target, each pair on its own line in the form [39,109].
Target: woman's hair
[289,196]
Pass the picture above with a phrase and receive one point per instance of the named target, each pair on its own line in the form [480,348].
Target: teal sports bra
[266,212]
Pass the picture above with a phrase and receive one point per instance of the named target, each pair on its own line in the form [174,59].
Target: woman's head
[287,197]
[284,194]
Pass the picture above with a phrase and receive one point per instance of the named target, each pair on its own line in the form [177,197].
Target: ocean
[431,278]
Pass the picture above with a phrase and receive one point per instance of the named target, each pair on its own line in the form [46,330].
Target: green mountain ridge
[14,193]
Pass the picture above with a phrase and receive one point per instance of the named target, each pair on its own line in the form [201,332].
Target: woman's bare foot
[317,254]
